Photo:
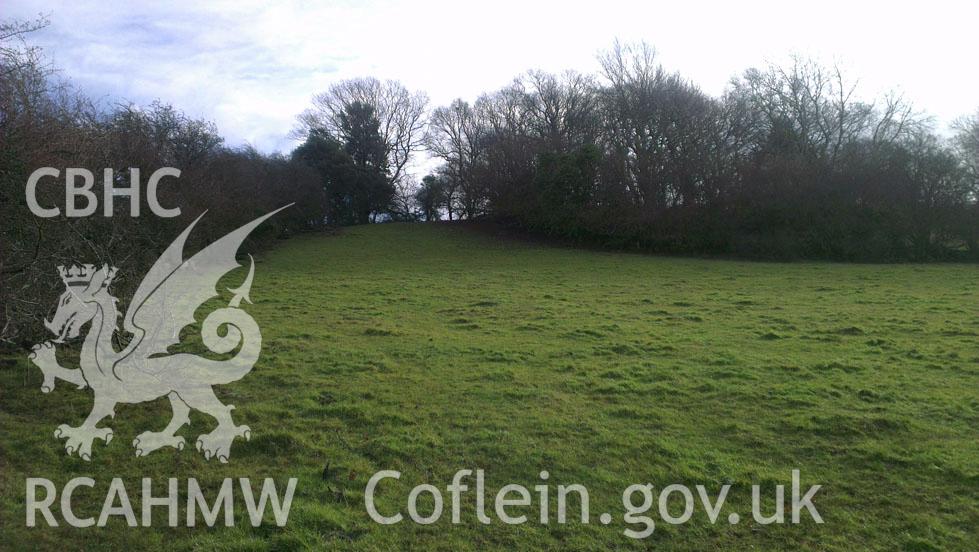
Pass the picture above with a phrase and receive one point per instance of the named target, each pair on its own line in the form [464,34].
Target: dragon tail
[241,332]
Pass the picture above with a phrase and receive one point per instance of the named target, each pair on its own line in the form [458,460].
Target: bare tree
[403,202]
[561,110]
[897,120]
[455,135]
[15,52]
[401,114]
[817,109]
[967,145]
[659,128]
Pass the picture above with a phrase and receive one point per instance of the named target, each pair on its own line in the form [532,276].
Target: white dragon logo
[144,370]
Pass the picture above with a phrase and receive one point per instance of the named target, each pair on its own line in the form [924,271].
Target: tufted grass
[431,348]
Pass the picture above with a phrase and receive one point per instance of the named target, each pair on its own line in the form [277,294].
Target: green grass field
[432,348]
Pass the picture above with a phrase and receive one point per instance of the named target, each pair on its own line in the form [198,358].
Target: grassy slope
[427,349]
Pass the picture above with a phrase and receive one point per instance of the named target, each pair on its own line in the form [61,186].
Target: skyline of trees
[788,162]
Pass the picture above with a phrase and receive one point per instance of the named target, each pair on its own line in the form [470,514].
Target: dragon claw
[79,439]
[217,444]
[44,357]
[149,441]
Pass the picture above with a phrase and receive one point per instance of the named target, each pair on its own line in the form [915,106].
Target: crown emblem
[76,275]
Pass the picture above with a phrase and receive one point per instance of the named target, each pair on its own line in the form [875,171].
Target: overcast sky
[252,66]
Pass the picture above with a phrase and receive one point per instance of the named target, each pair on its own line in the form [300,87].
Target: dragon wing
[174,289]
[165,265]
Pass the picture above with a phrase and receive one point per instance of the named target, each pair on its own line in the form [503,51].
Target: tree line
[787,163]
